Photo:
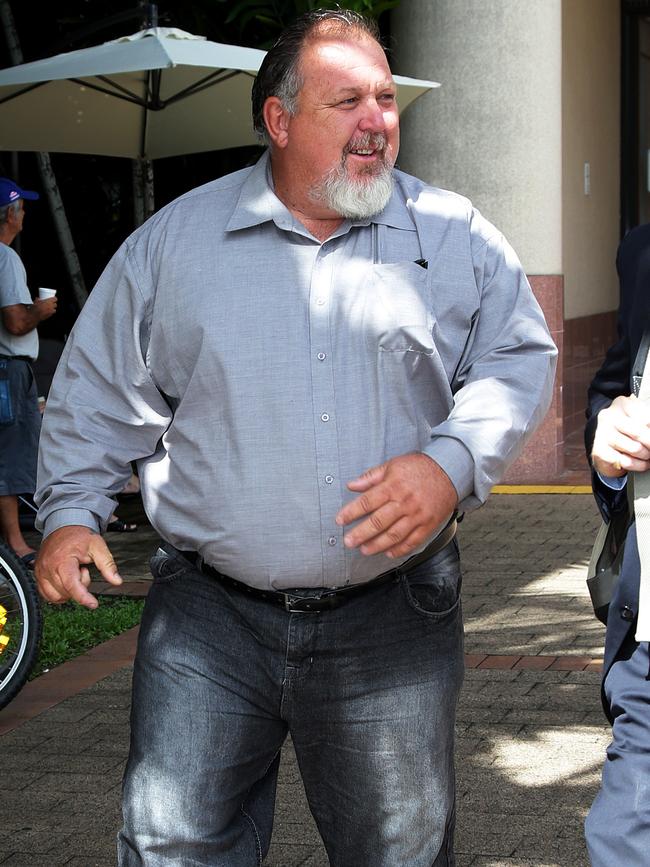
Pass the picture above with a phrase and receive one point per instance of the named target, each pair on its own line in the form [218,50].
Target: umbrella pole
[143,190]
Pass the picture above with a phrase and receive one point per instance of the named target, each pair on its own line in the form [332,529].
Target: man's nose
[373,117]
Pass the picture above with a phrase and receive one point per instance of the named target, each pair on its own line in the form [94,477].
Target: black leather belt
[327,598]
[16,358]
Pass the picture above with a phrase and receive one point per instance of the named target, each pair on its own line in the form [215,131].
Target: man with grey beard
[316,363]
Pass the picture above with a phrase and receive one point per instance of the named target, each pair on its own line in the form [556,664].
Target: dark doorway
[635,114]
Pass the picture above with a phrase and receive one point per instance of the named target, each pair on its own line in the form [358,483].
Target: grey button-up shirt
[252,371]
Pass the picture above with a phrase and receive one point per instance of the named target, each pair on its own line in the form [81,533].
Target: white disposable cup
[46,293]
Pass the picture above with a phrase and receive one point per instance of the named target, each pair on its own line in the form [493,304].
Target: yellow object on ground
[541,489]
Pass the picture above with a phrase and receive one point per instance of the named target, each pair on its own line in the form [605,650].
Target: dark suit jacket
[612,380]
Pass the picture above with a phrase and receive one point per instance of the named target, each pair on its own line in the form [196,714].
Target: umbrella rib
[24,90]
[152,100]
[119,92]
[210,80]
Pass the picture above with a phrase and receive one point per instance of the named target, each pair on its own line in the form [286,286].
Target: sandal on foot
[119,526]
[28,560]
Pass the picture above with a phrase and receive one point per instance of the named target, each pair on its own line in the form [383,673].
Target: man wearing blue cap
[19,417]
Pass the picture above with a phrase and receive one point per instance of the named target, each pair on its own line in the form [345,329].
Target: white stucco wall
[591,133]
[493,130]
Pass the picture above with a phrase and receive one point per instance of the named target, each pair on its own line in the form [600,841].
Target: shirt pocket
[398,317]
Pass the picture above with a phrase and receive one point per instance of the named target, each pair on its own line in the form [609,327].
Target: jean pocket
[433,588]
[6,404]
[167,567]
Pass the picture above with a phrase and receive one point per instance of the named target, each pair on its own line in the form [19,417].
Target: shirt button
[321,356]
[329,479]
[627,613]
[325,417]
[331,540]
[320,301]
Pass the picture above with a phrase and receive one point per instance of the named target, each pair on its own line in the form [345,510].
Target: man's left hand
[403,500]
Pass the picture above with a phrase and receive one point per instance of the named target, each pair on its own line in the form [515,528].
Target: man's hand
[61,568]
[45,307]
[622,440]
[403,501]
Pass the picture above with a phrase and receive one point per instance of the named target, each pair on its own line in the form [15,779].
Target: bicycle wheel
[20,624]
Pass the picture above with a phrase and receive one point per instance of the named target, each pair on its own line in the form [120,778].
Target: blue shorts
[19,440]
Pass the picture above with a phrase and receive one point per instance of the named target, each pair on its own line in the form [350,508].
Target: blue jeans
[618,825]
[367,691]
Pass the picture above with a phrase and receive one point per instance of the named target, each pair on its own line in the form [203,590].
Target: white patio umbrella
[158,93]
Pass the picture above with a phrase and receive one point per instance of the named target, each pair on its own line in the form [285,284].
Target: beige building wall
[591,64]
[493,130]
[591,135]
[527,124]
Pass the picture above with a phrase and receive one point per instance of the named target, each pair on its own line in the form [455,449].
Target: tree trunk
[48,179]
[47,176]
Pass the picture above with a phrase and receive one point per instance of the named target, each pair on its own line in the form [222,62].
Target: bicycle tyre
[23,627]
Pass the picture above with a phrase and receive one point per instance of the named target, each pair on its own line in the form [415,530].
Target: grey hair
[5,210]
[280,74]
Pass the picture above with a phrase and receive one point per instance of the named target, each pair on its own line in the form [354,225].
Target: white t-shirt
[13,290]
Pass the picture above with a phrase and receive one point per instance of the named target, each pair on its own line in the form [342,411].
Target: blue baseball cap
[10,192]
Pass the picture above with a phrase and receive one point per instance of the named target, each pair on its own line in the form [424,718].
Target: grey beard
[355,199]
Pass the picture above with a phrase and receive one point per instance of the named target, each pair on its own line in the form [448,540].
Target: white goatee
[361,197]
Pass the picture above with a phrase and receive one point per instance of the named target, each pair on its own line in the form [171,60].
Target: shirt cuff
[457,462]
[614,483]
[68,518]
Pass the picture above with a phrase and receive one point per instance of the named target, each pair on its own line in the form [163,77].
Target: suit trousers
[367,692]
[618,826]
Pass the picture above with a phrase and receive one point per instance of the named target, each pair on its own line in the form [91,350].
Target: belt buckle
[301,604]
[292,603]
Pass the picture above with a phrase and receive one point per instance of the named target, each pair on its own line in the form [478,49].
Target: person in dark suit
[617,439]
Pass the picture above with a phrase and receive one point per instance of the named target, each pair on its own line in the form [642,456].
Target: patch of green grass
[71,629]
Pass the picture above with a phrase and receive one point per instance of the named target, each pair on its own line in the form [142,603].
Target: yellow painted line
[541,489]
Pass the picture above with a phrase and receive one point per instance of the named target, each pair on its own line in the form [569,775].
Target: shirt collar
[258,204]
[396,214]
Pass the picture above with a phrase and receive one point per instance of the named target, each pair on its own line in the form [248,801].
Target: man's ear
[276,118]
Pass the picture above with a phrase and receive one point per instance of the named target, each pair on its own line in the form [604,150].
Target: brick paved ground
[531,736]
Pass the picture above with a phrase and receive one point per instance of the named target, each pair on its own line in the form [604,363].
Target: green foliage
[267,18]
[70,629]
[47,28]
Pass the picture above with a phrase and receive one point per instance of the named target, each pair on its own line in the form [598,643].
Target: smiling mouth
[366,154]
[371,145]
